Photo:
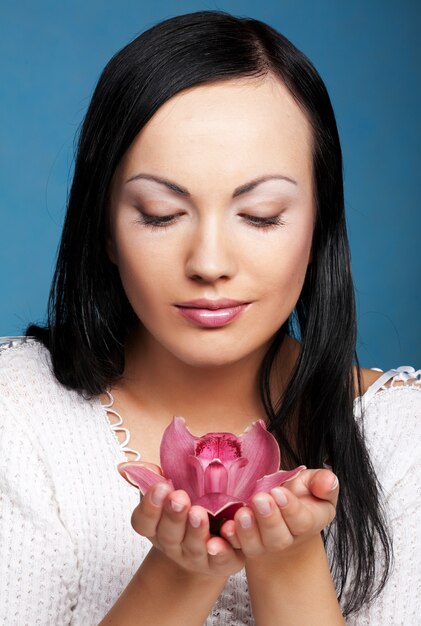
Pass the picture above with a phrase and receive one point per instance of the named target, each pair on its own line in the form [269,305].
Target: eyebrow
[182,191]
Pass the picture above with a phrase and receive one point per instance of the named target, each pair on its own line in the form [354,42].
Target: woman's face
[233,220]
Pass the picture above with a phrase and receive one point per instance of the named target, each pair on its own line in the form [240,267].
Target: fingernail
[194,519]
[159,493]
[279,496]
[262,505]
[213,551]
[335,483]
[177,506]
[245,520]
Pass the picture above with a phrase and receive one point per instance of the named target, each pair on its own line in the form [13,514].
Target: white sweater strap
[16,340]
[404,374]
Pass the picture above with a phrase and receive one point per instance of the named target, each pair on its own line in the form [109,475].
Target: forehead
[235,128]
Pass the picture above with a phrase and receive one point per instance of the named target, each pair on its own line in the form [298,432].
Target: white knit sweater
[67,549]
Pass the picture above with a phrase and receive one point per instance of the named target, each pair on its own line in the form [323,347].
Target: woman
[204,272]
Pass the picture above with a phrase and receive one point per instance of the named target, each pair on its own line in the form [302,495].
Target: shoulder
[375,381]
[390,398]
[25,370]
[389,414]
[30,394]
[19,354]
[42,419]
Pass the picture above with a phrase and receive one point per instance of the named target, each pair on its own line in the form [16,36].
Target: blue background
[367,52]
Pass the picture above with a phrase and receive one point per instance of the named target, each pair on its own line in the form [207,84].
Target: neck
[208,397]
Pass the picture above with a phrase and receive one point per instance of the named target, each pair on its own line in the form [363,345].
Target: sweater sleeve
[38,568]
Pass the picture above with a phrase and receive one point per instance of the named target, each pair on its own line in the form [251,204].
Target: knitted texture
[67,549]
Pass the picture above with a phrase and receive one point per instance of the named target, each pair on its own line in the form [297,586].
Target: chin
[207,359]
[205,363]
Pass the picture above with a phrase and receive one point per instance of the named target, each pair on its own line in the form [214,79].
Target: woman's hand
[287,517]
[181,531]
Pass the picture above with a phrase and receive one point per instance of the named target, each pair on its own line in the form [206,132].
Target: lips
[212,313]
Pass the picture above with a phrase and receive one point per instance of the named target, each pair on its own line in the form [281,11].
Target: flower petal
[261,450]
[234,474]
[226,513]
[196,485]
[217,503]
[266,483]
[176,445]
[142,477]
[216,477]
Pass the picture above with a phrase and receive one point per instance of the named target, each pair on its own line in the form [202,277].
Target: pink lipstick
[212,313]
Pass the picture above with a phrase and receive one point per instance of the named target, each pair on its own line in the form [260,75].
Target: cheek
[284,267]
[145,273]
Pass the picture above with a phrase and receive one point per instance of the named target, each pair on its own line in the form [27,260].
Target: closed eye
[157,221]
[263,222]
[163,221]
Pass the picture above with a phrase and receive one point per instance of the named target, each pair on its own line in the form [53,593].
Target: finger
[172,525]
[303,516]
[147,514]
[205,551]
[195,537]
[274,532]
[222,557]
[228,532]
[298,517]
[247,532]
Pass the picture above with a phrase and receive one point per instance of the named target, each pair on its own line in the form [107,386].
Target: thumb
[324,484]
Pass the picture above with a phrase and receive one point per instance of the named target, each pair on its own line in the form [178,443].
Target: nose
[211,255]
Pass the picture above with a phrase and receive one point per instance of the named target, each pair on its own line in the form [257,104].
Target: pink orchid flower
[219,471]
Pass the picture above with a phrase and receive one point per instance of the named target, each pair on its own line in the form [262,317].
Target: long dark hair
[89,316]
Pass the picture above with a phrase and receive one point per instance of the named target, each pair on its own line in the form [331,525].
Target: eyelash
[164,221]
[264,222]
[157,222]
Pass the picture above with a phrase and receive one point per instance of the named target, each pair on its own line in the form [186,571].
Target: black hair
[89,316]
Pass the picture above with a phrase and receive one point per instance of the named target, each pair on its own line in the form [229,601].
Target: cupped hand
[286,517]
[181,531]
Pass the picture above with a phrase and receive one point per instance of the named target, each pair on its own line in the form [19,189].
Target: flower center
[223,446]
